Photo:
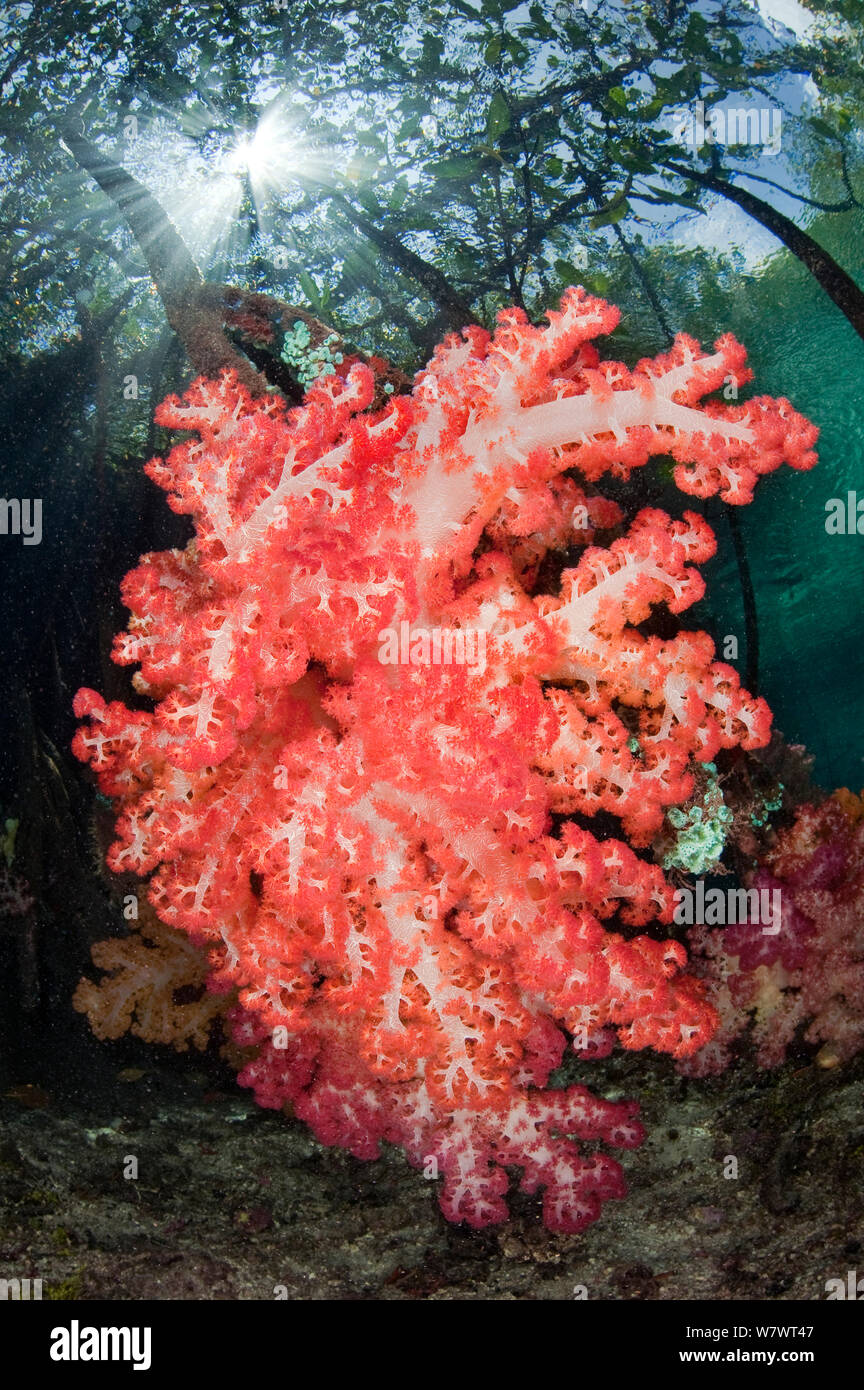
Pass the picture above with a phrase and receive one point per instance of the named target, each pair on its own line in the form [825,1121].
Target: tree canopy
[402,168]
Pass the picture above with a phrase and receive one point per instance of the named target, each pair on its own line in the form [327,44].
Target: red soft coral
[368,735]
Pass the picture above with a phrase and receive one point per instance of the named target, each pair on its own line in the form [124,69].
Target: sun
[268,156]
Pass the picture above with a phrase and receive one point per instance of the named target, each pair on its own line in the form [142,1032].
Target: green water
[809,585]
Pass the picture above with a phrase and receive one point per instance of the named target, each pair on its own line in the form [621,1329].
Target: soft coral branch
[366,846]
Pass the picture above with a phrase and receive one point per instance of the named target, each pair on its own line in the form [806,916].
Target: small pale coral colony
[389,863]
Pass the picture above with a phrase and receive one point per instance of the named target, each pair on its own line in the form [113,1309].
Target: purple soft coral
[811,971]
